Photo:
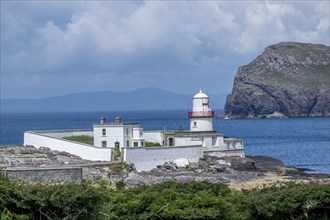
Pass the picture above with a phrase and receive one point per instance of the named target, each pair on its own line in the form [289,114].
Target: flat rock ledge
[229,170]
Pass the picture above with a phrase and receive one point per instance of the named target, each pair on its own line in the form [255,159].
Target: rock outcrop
[230,170]
[288,79]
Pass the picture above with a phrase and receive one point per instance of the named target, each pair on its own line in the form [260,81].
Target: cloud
[109,45]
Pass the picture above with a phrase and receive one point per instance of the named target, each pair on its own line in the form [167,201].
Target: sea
[298,142]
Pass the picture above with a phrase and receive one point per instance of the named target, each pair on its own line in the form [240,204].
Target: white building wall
[84,151]
[201,105]
[113,134]
[220,142]
[137,137]
[154,136]
[125,134]
[233,144]
[201,124]
[116,134]
[188,141]
[207,142]
[146,159]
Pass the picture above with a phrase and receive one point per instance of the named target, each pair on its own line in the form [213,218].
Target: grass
[311,81]
[151,144]
[85,139]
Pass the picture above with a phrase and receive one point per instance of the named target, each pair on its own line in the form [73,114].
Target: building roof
[200,95]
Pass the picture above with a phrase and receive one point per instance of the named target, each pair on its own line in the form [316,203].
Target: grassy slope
[310,70]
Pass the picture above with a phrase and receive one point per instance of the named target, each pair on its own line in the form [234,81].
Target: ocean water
[298,142]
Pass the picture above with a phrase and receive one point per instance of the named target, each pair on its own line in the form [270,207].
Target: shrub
[172,200]
[291,201]
[151,144]
[45,201]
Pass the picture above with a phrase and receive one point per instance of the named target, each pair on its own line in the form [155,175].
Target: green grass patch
[306,82]
[151,144]
[85,139]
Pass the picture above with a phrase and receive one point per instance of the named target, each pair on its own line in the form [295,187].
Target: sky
[51,48]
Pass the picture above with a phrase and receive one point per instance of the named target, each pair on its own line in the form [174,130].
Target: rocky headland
[248,172]
[287,80]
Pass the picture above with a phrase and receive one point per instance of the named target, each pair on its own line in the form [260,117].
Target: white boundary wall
[146,159]
[48,139]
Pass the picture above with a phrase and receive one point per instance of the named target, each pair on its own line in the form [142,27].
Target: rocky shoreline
[248,172]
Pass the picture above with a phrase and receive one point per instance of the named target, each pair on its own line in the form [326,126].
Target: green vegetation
[51,201]
[151,144]
[85,139]
[291,201]
[309,78]
[194,200]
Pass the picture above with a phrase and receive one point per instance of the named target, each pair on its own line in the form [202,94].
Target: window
[195,124]
[104,144]
[126,131]
[117,144]
[136,144]
[104,132]
[142,143]
[127,143]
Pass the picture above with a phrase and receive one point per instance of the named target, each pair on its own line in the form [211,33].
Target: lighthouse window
[104,144]
[104,132]
[136,144]
[195,124]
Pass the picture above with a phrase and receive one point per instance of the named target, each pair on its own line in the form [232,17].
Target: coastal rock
[287,80]
[209,168]
[29,156]
[276,115]
[242,164]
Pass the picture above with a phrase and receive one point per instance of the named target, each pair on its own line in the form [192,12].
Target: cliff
[287,79]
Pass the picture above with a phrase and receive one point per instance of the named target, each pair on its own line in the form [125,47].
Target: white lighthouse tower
[201,116]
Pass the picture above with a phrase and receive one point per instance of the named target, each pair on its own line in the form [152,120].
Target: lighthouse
[201,115]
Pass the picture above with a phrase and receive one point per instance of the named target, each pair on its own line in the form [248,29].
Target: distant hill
[292,79]
[139,99]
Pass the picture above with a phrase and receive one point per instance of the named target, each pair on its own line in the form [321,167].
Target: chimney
[117,120]
[103,120]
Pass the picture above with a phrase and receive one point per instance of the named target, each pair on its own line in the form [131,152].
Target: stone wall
[49,175]
[145,159]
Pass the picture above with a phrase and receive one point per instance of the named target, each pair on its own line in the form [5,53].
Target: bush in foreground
[291,201]
[50,201]
[194,200]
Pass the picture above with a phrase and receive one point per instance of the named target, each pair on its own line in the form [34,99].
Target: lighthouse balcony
[206,114]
